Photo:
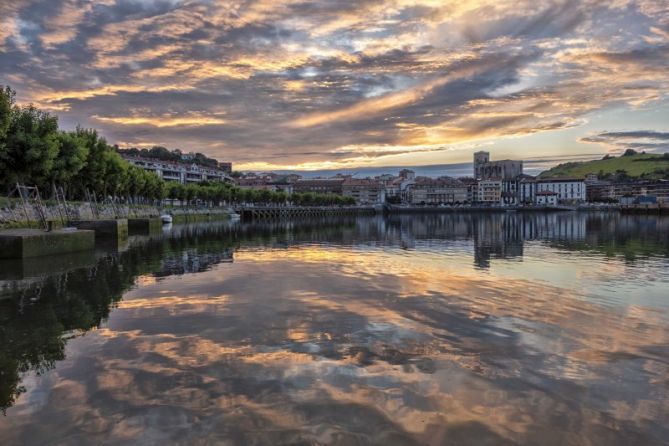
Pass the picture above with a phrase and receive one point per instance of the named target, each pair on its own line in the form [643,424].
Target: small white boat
[166,219]
[235,216]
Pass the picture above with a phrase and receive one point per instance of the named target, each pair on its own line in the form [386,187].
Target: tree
[31,146]
[72,156]
[630,152]
[92,175]
[191,191]
[7,96]
[136,181]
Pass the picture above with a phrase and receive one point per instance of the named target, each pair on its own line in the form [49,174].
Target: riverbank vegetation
[34,151]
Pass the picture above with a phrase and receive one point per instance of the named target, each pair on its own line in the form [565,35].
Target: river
[463,329]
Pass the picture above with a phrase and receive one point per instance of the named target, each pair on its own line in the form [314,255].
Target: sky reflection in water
[468,329]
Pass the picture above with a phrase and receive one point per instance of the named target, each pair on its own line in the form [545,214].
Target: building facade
[546,198]
[181,172]
[655,188]
[484,169]
[527,189]
[510,192]
[490,191]
[320,186]
[472,189]
[364,191]
[569,190]
[443,190]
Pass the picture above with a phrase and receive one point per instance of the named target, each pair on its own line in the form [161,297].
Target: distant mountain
[531,167]
[628,165]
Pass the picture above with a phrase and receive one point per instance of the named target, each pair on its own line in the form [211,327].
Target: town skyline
[309,86]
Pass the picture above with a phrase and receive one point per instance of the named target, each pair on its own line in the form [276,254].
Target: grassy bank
[637,166]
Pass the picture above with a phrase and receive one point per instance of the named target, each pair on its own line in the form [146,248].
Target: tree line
[35,152]
[163,154]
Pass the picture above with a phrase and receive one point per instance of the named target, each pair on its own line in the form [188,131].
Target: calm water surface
[458,329]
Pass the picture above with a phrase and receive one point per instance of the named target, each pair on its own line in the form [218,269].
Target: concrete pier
[25,243]
[145,226]
[36,267]
[116,229]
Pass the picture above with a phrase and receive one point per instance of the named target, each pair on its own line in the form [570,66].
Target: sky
[337,85]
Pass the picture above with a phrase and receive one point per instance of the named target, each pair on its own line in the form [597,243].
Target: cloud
[193,120]
[649,140]
[315,83]
[63,27]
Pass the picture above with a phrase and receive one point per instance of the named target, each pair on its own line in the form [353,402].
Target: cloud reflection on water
[309,339]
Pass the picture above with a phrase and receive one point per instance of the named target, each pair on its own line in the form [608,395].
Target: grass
[649,166]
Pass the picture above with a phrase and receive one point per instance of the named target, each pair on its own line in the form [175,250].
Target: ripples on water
[456,329]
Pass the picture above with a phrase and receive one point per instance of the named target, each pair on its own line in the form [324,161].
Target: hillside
[161,153]
[647,166]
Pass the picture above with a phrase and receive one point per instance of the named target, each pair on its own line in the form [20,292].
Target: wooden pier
[284,212]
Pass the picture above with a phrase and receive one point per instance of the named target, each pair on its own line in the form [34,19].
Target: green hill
[637,165]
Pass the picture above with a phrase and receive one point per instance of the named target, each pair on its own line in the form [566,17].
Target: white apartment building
[567,189]
[181,172]
[546,198]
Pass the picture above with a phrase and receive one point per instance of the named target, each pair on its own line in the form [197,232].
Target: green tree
[31,146]
[71,159]
[92,175]
[7,96]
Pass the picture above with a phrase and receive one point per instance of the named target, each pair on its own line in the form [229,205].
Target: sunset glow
[339,85]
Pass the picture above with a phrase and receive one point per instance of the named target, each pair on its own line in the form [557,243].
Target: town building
[598,190]
[569,190]
[442,190]
[407,174]
[255,183]
[490,191]
[320,185]
[527,189]
[472,188]
[397,188]
[546,198]
[364,190]
[484,169]
[510,192]
[180,171]
[641,188]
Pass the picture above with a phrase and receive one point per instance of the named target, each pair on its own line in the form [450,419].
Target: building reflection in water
[505,328]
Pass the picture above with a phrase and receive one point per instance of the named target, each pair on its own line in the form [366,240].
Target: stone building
[484,169]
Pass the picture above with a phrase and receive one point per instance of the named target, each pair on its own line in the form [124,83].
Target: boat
[235,216]
[166,219]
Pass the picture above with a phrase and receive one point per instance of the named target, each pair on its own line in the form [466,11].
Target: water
[525,329]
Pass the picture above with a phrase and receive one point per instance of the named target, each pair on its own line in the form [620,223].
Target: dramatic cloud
[638,140]
[322,84]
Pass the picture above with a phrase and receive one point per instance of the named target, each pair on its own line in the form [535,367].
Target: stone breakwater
[12,214]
